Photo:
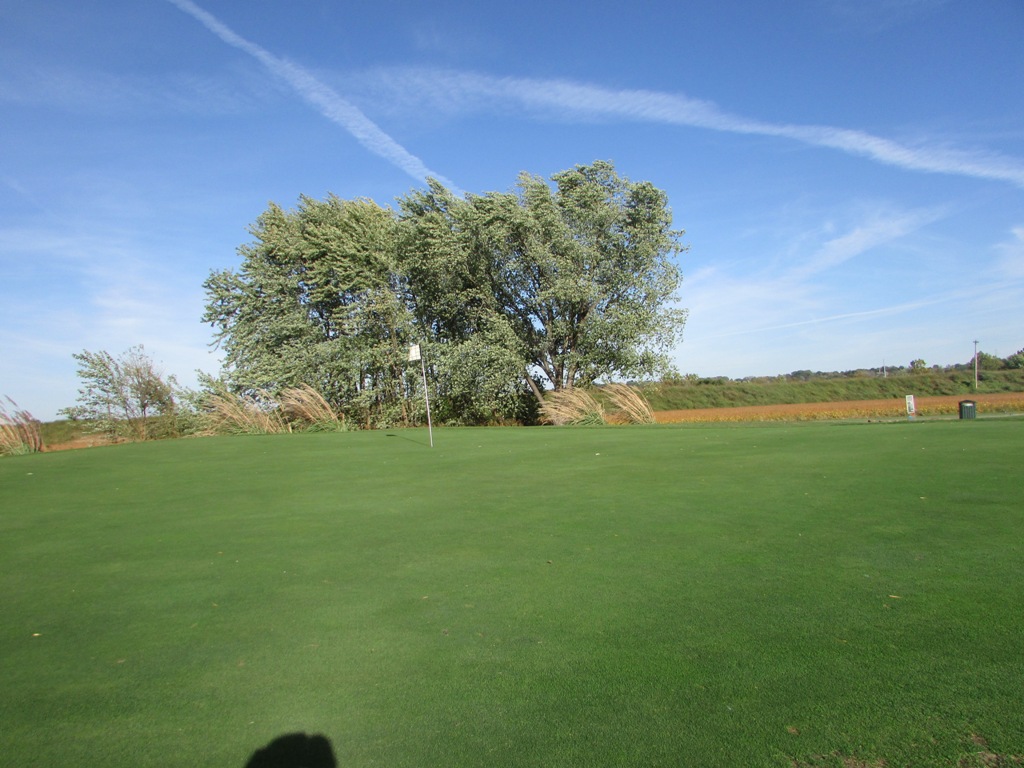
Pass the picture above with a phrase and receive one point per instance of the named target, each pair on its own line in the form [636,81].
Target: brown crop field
[945,405]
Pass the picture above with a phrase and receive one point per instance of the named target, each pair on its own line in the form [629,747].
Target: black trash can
[968,409]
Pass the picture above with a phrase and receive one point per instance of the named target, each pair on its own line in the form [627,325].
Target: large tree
[583,274]
[476,360]
[568,283]
[317,301]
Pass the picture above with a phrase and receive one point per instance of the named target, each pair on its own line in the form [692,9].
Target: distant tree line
[986,362]
[916,367]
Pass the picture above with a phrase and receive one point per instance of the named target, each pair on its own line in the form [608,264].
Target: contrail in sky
[467,90]
[652,106]
[327,101]
[897,309]
[563,96]
[672,109]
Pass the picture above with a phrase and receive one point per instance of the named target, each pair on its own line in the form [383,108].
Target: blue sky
[849,173]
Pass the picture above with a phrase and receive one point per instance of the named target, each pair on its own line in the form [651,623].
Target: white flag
[414,353]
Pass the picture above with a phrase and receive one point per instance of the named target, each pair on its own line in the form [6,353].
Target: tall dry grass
[256,414]
[305,404]
[578,406]
[630,404]
[572,405]
[261,413]
[19,431]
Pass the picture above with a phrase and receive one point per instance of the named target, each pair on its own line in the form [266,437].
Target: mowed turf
[807,595]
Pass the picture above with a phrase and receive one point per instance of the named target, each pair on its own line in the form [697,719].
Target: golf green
[784,595]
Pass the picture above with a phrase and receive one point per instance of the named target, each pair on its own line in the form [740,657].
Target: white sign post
[910,406]
[414,355]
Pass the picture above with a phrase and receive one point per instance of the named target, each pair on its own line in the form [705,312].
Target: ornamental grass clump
[19,431]
[256,414]
[573,406]
[632,407]
[305,404]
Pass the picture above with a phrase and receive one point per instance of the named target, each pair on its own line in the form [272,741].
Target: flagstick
[426,399]
[414,354]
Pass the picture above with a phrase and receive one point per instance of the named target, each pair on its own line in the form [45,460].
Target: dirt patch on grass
[836,759]
[978,756]
[84,441]
[984,758]
[1003,402]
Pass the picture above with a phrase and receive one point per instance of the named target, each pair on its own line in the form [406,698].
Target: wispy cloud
[880,15]
[896,309]
[326,100]
[108,277]
[455,91]
[96,92]
[24,193]
[1010,262]
[728,302]
[878,230]
[743,324]
[108,289]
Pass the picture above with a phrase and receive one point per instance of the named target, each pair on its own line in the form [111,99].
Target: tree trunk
[533,386]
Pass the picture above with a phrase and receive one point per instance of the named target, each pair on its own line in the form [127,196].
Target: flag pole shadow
[410,439]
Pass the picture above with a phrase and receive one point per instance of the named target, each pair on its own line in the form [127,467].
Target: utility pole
[975,365]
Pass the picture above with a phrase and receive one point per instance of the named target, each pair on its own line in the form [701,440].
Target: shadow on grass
[424,443]
[295,750]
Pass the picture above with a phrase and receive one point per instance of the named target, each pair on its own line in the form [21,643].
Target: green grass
[801,595]
[63,431]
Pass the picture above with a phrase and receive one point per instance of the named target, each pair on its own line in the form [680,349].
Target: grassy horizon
[784,595]
[823,388]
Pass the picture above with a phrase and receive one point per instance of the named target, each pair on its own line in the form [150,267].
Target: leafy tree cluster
[554,284]
[987,362]
[124,396]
